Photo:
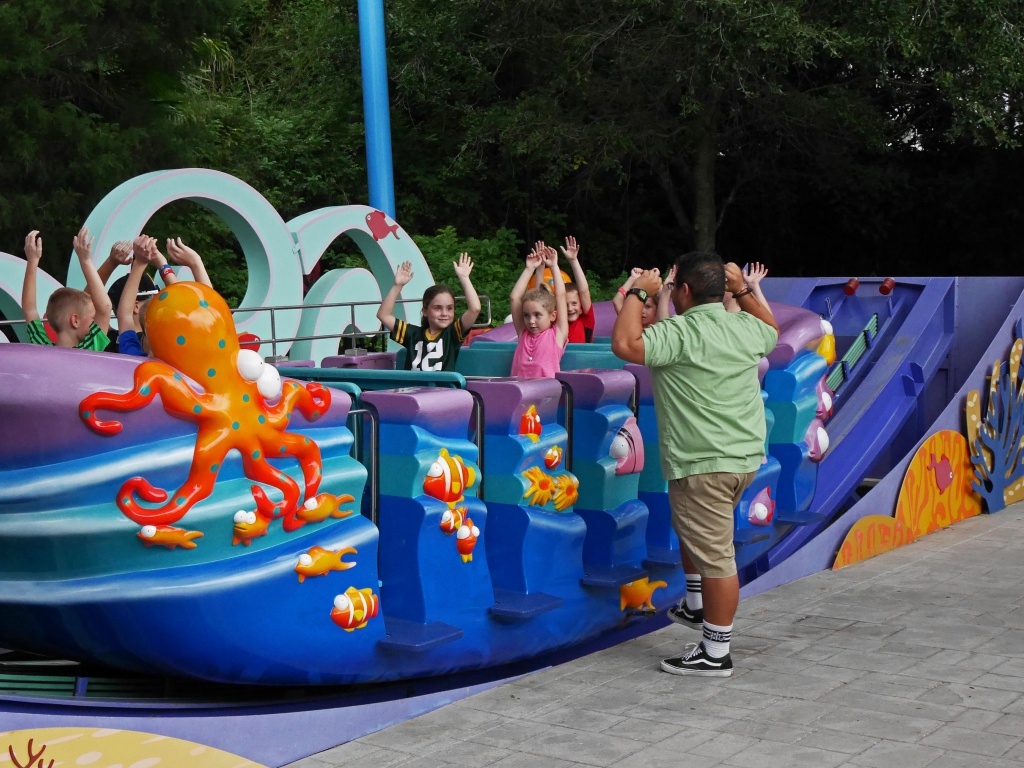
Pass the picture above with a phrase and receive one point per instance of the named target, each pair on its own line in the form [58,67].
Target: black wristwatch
[638,292]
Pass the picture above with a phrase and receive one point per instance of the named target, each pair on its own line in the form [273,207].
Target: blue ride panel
[608,456]
[662,542]
[535,542]
[433,559]
[235,603]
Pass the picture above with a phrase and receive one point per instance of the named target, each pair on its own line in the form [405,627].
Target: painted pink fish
[817,440]
[826,400]
[379,227]
[943,472]
[627,449]
[762,508]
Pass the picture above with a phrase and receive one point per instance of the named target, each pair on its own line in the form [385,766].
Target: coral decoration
[929,500]
[637,594]
[542,487]
[32,757]
[567,491]
[191,332]
[997,450]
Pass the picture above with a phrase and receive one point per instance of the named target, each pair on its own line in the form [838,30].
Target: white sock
[717,639]
[694,597]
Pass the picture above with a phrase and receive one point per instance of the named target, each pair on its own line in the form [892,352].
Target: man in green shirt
[711,427]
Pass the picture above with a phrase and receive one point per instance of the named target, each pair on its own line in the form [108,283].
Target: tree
[85,105]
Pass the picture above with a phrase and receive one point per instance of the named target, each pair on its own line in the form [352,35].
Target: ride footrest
[404,635]
[797,518]
[749,536]
[611,576]
[521,606]
[662,557]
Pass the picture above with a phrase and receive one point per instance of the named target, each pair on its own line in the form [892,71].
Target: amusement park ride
[206,538]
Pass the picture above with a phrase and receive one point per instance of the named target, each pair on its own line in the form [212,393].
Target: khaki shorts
[702,516]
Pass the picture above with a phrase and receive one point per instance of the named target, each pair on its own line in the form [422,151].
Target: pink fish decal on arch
[943,472]
[377,222]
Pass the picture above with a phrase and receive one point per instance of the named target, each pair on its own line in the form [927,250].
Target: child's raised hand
[181,254]
[33,247]
[755,273]
[140,247]
[550,258]
[83,245]
[404,273]
[535,258]
[571,250]
[635,272]
[121,252]
[464,266]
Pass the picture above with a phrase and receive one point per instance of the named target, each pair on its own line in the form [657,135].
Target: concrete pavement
[911,659]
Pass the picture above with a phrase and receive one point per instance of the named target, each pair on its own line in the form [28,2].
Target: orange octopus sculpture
[191,331]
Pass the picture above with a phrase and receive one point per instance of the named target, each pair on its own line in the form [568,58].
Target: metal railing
[352,336]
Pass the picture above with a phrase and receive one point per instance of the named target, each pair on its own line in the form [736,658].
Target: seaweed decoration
[997,440]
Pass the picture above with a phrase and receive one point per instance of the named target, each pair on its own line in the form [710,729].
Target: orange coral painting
[936,493]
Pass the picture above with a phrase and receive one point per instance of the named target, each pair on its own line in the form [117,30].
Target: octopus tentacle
[312,401]
[307,453]
[148,381]
[259,470]
[202,475]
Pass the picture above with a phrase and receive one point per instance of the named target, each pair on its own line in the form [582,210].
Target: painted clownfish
[451,520]
[168,536]
[529,424]
[354,608]
[465,539]
[448,478]
[553,457]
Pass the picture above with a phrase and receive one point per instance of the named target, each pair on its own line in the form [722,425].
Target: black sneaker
[697,662]
[680,614]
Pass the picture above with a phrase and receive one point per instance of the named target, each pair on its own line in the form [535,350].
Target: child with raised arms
[540,319]
[80,318]
[433,346]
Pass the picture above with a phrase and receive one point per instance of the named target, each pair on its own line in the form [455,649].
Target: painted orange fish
[452,519]
[354,608]
[377,223]
[319,562]
[637,594]
[168,536]
[465,539]
[249,526]
[529,424]
[448,478]
[323,506]
[553,457]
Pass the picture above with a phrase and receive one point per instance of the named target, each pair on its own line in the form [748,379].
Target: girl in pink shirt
[540,319]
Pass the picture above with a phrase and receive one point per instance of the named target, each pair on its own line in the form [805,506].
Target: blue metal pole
[377,113]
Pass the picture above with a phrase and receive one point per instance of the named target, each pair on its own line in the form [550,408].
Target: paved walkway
[911,659]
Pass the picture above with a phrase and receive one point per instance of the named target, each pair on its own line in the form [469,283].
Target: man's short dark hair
[704,272]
